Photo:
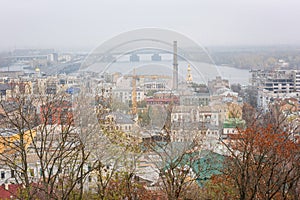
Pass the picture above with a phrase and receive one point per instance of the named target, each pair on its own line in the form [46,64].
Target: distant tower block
[189,78]
[156,57]
[175,66]
[134,58]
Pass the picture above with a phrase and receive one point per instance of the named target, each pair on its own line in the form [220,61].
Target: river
[201,72]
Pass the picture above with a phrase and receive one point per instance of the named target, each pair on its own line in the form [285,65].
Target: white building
[125,95]
[275,84]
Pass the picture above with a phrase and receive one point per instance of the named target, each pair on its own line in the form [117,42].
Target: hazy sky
[67,24]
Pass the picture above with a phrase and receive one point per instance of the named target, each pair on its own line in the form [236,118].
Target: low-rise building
[118,121]
[218,83]
[9,137]
[163,97]
[232,126]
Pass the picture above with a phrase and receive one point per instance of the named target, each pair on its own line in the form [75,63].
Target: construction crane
[134,78]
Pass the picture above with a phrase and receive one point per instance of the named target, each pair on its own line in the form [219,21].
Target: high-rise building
[276,84]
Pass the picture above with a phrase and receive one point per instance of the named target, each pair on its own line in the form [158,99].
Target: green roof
[210,164]
[234,123]
[204,164]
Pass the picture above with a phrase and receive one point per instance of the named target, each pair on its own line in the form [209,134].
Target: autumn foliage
[264,163]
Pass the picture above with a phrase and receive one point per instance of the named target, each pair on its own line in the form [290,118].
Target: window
[12,173]
[50,119]
[2,175]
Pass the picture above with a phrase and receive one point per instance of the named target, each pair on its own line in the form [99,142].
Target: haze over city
[150,99]
[85,24]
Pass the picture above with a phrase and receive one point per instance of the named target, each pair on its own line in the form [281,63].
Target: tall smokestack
[175,66]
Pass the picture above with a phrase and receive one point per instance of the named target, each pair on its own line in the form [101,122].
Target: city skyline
[86,24]
[143,100]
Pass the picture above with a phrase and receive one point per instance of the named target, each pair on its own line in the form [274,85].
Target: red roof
[11,192]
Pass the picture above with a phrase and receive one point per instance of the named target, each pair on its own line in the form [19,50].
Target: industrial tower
[175,67]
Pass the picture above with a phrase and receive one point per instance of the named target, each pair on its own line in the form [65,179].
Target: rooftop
[234,123]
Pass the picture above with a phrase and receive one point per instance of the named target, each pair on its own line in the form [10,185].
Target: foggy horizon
[83,25]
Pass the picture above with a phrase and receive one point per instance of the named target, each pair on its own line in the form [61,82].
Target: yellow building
[11,139]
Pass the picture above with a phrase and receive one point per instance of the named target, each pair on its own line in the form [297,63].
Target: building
[118,121]
[33,54]
[163,97]
[14,87]
[8,137]
[296,80]
[4,87]
[194,131]
[265,97]
[57,112]
[195,114]
[193,122]
[125,95]
[274,85]
[232,126]
[156,85]
[197,99]
[277,81]
[216,84]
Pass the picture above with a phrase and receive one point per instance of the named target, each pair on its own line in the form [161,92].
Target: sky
[84,24]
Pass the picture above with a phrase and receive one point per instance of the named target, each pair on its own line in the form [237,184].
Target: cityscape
[150,114]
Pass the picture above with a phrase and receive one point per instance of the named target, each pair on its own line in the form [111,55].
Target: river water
[201,72]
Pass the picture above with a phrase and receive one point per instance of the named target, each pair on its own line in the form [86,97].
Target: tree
[250,96]
[150,93]
[234,110]
[236,87]
[114,172]
[115,159]
[142,104]
[46,153]
[173,168]
[263,163]
[249,114]
[182,166]
[117,105]
[62,149]
[144,118]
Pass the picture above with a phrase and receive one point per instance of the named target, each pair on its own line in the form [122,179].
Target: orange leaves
[264,163]
[264,139]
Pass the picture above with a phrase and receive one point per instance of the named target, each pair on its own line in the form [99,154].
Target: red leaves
[264,163]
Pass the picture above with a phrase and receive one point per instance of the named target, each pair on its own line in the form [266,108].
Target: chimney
[175,66]
[6,186]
